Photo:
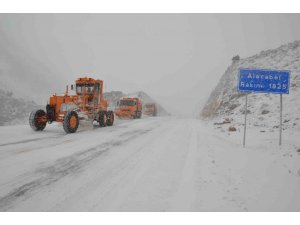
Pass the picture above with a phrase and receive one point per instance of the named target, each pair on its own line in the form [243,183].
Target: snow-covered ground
[152,164]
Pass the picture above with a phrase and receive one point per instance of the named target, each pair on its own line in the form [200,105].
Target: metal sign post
[245,123]
[264,81]
[280,126]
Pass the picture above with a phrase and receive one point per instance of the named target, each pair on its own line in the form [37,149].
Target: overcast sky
[176,58]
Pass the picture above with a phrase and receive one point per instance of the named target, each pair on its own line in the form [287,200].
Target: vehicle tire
[71,122]
[102,119]
[136,115]
[34,118]
[110,118]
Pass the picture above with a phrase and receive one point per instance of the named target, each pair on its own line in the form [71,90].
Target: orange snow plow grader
[129,108]
[87,104]
[150,109]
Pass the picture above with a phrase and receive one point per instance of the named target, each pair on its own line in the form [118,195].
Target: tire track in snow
[185,195]
[29,140]
[60,139]
[131,175]
[63,167]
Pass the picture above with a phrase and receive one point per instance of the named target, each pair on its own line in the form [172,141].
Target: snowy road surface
[152,164]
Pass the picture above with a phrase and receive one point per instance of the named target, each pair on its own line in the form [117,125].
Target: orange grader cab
[86,104]
[129,108]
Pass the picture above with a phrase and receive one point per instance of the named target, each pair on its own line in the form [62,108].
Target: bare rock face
[265,112]
[236,58]
[231,129]
[225,100]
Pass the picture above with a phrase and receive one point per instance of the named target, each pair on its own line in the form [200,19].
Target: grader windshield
[85,88]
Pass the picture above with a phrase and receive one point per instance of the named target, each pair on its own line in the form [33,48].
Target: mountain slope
[225,101]
[14,110]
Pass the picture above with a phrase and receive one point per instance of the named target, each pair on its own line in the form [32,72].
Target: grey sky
[176,58]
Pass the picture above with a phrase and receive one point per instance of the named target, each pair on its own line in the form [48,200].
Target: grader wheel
[102,119]
[71,122]
[110,118]
[38,120]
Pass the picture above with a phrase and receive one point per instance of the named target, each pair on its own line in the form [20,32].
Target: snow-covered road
[152,164]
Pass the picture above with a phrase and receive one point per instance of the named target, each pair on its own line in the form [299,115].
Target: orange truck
[129,108]
[87,104]
[150,109]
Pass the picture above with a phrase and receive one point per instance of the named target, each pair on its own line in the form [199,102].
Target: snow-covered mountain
[14,110]
[114,96]
[263,109]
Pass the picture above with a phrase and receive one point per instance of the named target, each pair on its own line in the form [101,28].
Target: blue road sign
[265,81]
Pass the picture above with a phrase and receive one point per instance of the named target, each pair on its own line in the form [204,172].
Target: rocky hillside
[14,110]
[114,96]
[263,109]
